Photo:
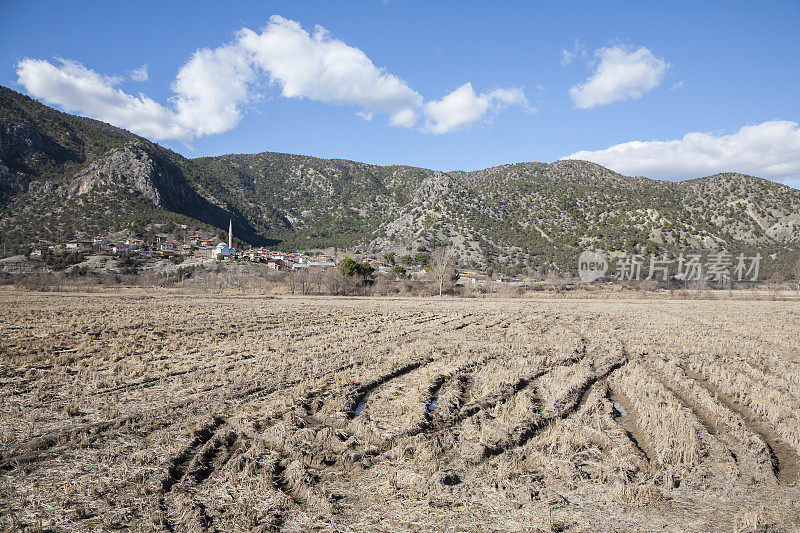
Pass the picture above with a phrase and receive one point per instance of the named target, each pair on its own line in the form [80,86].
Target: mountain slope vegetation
[65,177]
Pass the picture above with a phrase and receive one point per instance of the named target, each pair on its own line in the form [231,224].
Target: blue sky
[716,83]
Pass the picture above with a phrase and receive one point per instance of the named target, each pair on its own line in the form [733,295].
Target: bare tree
[291,279]
[775,281]
[315,277]
[333,281]
[797,274]
[302,280]
[727,284]
[443,266]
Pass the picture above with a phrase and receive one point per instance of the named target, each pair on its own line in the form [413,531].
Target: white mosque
[226,250]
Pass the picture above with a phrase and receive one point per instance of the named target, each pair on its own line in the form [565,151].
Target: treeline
[344,281]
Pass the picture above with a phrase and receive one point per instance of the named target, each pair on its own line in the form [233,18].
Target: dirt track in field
[170,412]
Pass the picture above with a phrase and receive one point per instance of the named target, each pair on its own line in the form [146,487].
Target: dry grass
[179,412]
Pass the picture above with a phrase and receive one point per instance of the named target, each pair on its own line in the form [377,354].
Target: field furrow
[182,412]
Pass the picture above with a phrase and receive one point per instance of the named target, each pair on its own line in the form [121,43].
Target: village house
[253,255]
[471,276]
[321,264]
[39,251]
[78,245]
[119,249]
[377,264]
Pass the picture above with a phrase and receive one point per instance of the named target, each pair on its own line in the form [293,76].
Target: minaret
[230,233]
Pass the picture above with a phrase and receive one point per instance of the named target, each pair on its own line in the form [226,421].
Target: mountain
[64,177]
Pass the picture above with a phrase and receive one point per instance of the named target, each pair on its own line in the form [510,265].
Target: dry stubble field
[158,411]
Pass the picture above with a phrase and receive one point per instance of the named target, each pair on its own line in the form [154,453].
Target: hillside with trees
[65,177]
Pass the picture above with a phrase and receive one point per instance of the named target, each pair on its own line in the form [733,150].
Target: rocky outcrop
[133,166]
[435,187]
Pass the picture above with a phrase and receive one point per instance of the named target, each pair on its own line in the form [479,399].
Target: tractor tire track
[523,434]
[359,400]
[624,414]
[785,459]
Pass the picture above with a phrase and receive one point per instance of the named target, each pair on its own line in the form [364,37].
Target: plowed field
[198,413]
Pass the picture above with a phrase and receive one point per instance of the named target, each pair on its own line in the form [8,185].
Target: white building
[221,248]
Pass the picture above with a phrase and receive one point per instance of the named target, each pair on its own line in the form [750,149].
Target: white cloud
[677,85]
[463,106]
[770,150]
[214,84]
[212,89]
[139,74]
[316,67]
[406,118]
[621,74]
[568,56]
[77,89]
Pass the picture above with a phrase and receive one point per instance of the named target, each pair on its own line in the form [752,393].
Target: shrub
[78,271]
[62,261]
[350,268]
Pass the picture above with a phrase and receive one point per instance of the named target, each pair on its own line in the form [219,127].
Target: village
[177,250]
[196,248]
[200,248]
